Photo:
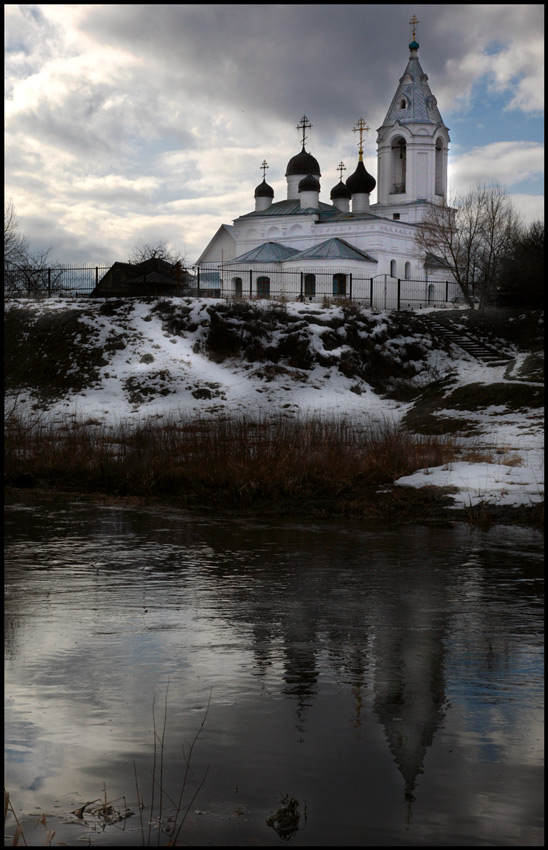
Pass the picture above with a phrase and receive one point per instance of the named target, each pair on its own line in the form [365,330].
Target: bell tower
[412,143]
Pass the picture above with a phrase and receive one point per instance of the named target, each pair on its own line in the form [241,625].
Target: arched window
[431,293]
[403,103]
[398,166]
[393,268]
[439,168]
[263,287]
[238,285]
[408,271]
[310,285]
[339,284]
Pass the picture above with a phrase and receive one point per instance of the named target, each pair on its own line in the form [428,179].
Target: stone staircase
[489,356]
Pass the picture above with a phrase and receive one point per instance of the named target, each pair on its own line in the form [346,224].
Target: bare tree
[140,253]
[25,273]
[15,243]
[470,235]
[521,280]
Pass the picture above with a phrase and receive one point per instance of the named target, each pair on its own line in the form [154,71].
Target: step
[486,355]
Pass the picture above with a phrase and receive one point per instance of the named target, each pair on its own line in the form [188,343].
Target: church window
[439,167]
[238,285]
[339,284]
[263,287]
[403,103]
[398,165]
[310,285]
[393,268]
[430,293]
[396,216]
[408,271]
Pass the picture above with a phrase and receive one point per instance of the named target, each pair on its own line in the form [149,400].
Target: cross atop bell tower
[413,24]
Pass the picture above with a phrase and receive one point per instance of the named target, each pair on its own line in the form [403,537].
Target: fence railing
[39,282]
[381,291]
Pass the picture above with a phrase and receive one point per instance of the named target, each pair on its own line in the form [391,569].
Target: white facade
[285,241]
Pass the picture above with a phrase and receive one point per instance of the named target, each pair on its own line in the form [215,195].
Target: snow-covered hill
[136,359]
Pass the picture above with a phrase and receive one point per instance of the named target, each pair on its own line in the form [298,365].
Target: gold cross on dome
[413,22]
[340,168]
[264,165]
[304,125]
[360,127]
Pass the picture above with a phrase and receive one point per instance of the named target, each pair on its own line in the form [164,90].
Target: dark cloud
[195,97]
[282,59]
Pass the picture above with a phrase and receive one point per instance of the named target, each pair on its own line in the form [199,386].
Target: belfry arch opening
[439,167]
[398,166]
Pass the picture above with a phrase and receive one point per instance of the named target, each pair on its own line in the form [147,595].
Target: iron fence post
[251,283]
[301,296]
[49,283]
[446,291]
[371,292]
[399,293]
[198,283]
[350,287]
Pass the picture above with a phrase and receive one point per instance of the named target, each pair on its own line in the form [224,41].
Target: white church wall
[411,175]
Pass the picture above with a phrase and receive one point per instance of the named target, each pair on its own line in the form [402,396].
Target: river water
[372,686]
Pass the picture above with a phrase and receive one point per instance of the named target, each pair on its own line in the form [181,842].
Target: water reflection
[332,651]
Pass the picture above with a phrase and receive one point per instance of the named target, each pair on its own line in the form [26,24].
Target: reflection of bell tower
[409,685]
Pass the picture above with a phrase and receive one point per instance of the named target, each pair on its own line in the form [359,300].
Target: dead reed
[166,816]
[239,458]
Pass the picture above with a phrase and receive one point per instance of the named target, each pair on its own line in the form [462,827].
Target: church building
[304,247]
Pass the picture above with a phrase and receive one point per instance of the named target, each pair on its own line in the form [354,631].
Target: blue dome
[414,45]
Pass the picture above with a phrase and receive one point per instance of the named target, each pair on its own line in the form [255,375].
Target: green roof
[334,249]
[290,208]
[268,252]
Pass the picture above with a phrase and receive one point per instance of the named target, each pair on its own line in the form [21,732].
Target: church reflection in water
[383,640]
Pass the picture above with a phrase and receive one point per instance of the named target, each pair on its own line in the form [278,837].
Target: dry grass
[166,815]
[239,459]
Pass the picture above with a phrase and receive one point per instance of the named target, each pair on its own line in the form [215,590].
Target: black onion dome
[263,190]
[309,184]
[303,163]
[361,182]
[341,190]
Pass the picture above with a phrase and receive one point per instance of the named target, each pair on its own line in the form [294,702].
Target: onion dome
[303,163]
[309,184]
[341,190]
[414,45]
[361,182]
[263,190]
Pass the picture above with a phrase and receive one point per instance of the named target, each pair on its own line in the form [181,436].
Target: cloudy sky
[133,124]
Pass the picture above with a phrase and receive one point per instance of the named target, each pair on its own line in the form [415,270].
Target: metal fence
[381,291]
[39,282]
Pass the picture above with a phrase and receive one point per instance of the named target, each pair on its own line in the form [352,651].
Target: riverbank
[389,506]
[332,409]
